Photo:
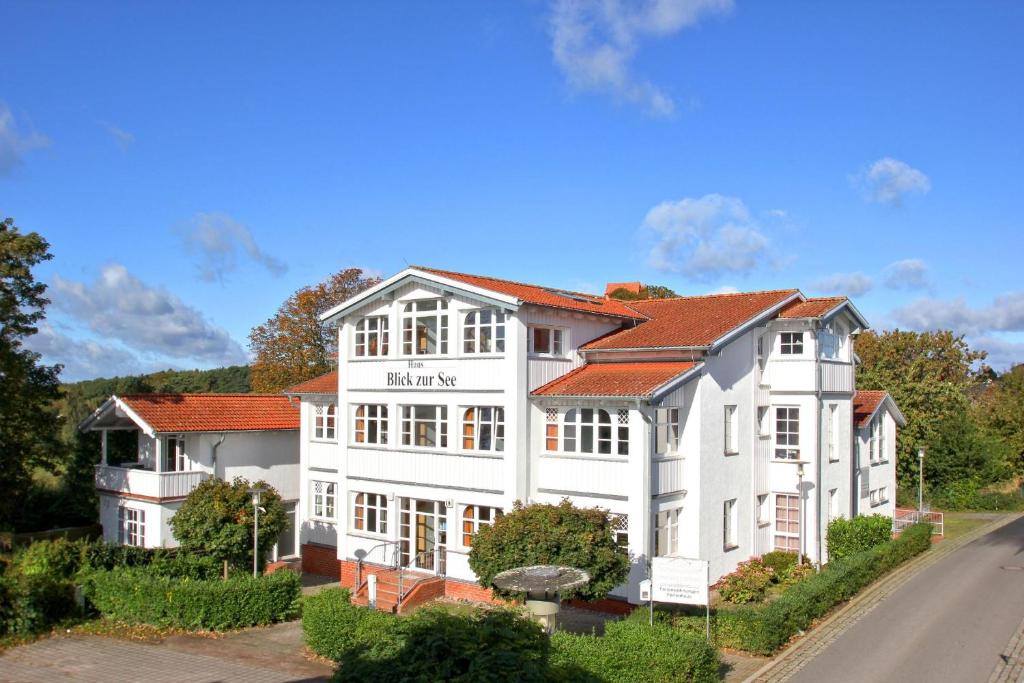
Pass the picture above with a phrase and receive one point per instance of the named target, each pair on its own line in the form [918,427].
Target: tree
[28,423]
[552,534]
[999,407]
[217,519]
[646,292]
[928,374]
[294,345]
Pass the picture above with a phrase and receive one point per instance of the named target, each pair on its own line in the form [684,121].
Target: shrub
[58,558]
[631,650]
[333,626]
[434,644]
[749,583]
[967,494]
[32,603]
[552,534]
[780,561]
[848,536]
[142,595]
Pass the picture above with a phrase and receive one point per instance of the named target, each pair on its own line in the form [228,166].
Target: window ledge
[727,548]
[324,520]
[731,453]
[368,535]
[312,440]
[547,356]
[584,456]
[833,459]
[762,525]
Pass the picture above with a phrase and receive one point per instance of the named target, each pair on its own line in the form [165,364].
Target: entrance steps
[417,588]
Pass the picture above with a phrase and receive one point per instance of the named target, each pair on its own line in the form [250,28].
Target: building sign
[679,580]
[416,376]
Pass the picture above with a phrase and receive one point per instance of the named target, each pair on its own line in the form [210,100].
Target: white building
[182,440]
[694,419]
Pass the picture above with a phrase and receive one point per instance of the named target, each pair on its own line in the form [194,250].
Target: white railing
[906,518]
[836,376]
[764,396]
[667,476]
[147,483]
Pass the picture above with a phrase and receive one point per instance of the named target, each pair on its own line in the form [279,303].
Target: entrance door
[424,530]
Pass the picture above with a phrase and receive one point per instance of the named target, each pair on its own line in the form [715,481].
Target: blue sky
[192,164]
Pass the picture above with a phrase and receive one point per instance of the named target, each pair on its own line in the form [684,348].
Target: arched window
[483,428]
[372,337]
[474,517]
[324,421]
[484,332]
[590,430]
[371,424]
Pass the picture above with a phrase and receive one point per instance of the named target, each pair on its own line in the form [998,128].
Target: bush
[632,650]
[552,534]
[763,629]
[846,537]
[780,561]
[968,495]
[333,626]
[749,583]
[142,595]
[33,603]
[59,558]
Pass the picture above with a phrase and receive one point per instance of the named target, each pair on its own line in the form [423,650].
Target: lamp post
[920,480]
[800,495]
[255,492]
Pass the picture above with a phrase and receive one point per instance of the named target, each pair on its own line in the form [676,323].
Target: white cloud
[724,289]
[120,306]
[1002,354]
[850,284]
[1006,314]
[909,273]
[14,145]
[121,137]
[83,359]
[594,42]
[217,239]
[705,237]
[888,180]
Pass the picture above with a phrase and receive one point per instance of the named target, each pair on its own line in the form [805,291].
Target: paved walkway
[901,623]
[258,655]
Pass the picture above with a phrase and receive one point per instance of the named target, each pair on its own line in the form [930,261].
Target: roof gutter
[635,349]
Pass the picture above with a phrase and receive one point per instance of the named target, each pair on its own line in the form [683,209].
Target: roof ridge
[512,282]
[709,296]
[199,393]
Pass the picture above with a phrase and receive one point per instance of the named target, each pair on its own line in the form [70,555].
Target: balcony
[147,483]
[836,377]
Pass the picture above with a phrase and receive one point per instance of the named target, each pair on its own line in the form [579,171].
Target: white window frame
[791,343]
[475,330]
[179,458]
[667,431]
[833,504]
[790,537]
[730,520]
[131,526]
[874,498]
[790,450]
[412,315]
[472,518]
[764,427]
[883,456]
[764,514]
[411,421]
[666,532]
[323,499]
[371,337]
[367,506]
[833,432]
[477,421]
[828,343]
[612,435]
[374,417]
[557,341]
[874,452]
[325,422]
[731,436]
[619,523]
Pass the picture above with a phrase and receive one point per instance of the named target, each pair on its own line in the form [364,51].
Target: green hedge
[333,626]
[763,629]
[850,536]
[33,603]
[632,650]
[142,595]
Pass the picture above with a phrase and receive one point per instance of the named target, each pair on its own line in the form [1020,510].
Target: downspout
[821,436]
[213,453]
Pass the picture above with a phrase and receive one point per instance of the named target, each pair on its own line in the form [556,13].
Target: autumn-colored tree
[1000,407]
[646,292]
[294,345]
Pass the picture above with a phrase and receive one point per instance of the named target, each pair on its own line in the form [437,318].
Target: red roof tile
[614,379]
[214,412]
[543,296]
[324,384]
[690,321]
[631,287]
[865,403]
[811,308]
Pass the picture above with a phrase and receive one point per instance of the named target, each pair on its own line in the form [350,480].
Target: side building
[718,427]
[156,448]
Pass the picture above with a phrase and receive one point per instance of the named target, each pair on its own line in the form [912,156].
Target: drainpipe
[213,453]
[821,435]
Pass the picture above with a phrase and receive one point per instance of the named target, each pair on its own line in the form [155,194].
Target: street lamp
[920,480]
[255,492]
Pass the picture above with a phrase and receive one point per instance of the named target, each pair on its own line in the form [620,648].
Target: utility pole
[920,480]
[255,492]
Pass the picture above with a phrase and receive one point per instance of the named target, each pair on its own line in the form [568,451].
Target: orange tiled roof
[214,412]
[865,403]
[543,296]
[614,379]
[689,320]
[632,287]
[324,384]
[811,308]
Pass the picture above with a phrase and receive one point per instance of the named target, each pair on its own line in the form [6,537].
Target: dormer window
[547,341]
[791,343]
[425,328]
[372,337]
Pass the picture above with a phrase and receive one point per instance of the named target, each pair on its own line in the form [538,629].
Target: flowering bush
[749,583]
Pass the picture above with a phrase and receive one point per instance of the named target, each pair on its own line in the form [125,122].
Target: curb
[793,658]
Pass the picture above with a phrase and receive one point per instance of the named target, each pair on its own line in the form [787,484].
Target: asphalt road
[949,623]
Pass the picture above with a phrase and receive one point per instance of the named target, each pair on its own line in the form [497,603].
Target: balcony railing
[147,483]
[836,377]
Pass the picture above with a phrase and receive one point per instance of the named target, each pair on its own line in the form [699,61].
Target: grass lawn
[959,523]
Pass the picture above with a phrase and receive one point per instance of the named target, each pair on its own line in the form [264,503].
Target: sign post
[682,581]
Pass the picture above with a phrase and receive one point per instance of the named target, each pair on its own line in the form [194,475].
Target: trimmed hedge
[763,629]
[633,650]
[144,596]
[850,536]
[34,603]
[333,626]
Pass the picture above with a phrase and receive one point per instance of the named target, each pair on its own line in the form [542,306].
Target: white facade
[698,497]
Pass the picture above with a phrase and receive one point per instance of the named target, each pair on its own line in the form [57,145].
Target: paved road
[950,623]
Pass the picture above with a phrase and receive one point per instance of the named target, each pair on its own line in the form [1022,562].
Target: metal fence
[905,518]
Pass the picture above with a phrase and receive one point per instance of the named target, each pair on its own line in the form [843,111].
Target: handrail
[361,560]
[439,566]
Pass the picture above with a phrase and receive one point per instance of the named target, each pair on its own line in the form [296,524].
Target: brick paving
[1011,669]
[791,660]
